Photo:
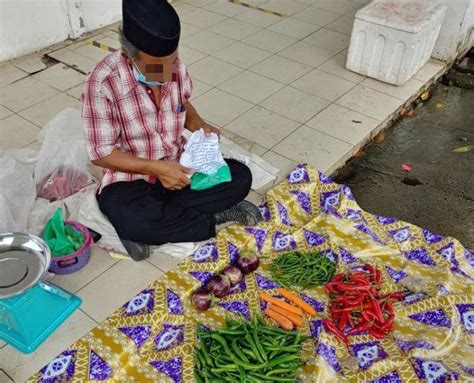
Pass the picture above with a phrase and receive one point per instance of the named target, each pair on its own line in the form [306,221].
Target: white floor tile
[262,126]
[284,164]
[76,92]
[111,289]
[244,143]
[188,30]
[44,111]
[307,54]
[225,8]
[430,70]
[316,148]
[4,112]
[337,67]
[99,262]
[297,29]
[16,132]
[73,59]
[9,74]
[258,18]
[111,41]
[403,92]
[199,3]
[342,25]
[316,16]
[183,8]
[24,93]
[219,107]
[344,124]
[330,40]
[190,56]
[341,7]
[60,76]
[206,42]
[254,198]
[213,71]
[270,41]
[21,366]
[323,85]
[92,52]
[281,69]
[251,86]
[4,378]
[242,55]
[30,63]
[163,261]
[295,104]
[234,29]
[370,102]
[284,7]
[199,88]
[202,18]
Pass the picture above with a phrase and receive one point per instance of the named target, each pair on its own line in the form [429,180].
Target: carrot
[280,319]
[296,319]
[282,304]
[297,301]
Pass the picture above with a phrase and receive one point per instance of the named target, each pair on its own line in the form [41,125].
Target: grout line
[93,279]
[89,316]
[6,374]
[257,8]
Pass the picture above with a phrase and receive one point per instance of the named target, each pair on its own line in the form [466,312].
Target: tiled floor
[276,85]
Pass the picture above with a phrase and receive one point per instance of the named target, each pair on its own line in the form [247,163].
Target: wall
[456,32]
[30,25]
[27,25]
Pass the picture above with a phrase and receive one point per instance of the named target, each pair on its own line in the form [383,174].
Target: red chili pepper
[375,333]
[343,321]
[378,277]
[388,323]
[377,311]
[396,295]
[333,329]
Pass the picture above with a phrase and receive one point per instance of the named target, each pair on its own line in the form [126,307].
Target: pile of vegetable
[248,351]
[356,305]
[285,314]
[303,270]
[220,285]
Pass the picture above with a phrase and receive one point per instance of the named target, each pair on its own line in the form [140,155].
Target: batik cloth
[151,337]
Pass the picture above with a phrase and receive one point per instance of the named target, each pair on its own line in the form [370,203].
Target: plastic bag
[17,188]
[61,239]
[202,154]
[63,144]
[62,182]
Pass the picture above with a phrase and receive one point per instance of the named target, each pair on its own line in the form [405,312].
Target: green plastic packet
[201,181]
[61,239]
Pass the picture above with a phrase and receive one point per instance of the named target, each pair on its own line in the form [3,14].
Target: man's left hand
[208,129]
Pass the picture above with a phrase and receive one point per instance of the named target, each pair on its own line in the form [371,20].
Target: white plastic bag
[17,188]
[63,144]
[202,154]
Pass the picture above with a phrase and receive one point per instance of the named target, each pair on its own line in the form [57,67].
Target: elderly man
[135,107]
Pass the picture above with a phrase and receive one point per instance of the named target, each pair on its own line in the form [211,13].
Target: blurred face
[158,68]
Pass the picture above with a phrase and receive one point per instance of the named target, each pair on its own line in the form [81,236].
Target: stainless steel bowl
[24,259]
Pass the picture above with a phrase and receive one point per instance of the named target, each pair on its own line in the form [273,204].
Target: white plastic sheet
[17,188]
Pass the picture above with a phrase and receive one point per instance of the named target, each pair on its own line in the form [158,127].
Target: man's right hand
[172,175]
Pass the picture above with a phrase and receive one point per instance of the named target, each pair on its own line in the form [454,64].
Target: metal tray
[24,259]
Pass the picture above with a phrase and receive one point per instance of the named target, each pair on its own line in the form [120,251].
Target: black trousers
[149,213]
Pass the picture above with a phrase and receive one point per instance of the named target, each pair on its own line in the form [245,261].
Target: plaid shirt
[120,113]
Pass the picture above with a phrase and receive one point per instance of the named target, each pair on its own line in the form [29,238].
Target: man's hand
[208,129]
[172,175]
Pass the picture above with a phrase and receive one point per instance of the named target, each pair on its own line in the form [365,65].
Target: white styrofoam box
[392,39]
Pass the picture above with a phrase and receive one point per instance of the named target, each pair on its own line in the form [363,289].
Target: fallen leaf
[409,113]
[406,167]
[359,154]
[403,111]
[439,105]
[357,122]
[379,138]
[425,96]
[464,149]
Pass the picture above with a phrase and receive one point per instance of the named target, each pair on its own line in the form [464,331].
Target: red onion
[248,262]
[234,274]
[219,285]
[202,299]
